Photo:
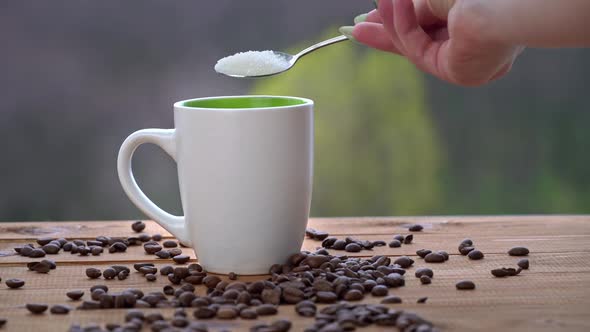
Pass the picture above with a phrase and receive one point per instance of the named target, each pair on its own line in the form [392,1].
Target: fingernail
[347,31]
[360,18]
[376,3]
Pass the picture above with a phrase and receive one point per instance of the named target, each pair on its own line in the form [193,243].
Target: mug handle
[165,139]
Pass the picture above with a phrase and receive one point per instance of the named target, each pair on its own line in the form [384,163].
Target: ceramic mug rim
[284,102]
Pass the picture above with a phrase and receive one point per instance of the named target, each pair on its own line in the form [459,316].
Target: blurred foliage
[377,151]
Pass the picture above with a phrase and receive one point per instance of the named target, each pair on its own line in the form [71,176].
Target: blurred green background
[78,77]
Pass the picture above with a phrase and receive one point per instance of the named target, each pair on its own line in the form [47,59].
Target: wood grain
[554,294]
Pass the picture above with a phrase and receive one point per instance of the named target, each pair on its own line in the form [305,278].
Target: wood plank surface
[554,294]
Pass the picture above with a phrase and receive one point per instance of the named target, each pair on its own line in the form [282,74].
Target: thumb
[440,8]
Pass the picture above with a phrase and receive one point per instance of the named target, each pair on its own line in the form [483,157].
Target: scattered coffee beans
[518,251]
[434,257]
[465,285]
[36,308]
[425,280]
[138,226]
[475,254]
[415,228]
[395,244]
[15,283]
[523,263]
[404,262]
[181,259]
[170,244]
[93,273]
[60,309]
[75,294]
[424,271]
[316,234]
[391,299]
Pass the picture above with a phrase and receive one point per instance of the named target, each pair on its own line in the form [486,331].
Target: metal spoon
[292,59]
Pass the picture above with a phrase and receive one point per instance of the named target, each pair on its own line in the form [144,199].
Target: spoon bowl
[292,59]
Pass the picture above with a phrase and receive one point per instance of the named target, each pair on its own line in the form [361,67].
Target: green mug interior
[243,102]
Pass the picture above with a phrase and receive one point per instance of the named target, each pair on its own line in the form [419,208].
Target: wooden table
[554,294]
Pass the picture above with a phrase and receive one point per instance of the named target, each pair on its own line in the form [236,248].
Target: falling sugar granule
[252,63]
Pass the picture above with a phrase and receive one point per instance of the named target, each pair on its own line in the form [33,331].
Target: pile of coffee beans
[316,234]
[522,264]
[466,248]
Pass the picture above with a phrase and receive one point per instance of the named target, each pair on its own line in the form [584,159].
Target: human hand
[446,38]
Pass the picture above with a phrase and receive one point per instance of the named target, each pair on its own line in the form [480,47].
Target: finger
[387,17]
[417,44]
[375,36]
[440,8]
[373,17]
[426,17]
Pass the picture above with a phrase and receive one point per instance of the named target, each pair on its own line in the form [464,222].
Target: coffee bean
[138,226]
[204,313]
[425,280]
[248,313]
[175,252]
[422,300]
[523,263]
[352,247]
[326,297]
[227,312]
[123,275]
[75,294]
[379,290]
[157,237]
[232,276]
[339,245]
[500,273]
[51,249]
[399,237]
[395,244]
[434,257]
[118,247]
[152,248]
[25,251]
[2,322]
[109,273]
[379,243]
[95,251]
[266,309]
[404,261]
[424,271]
[181,259]
[15,283]
[467,242]
[475,254]
[166,270]
[180,322]
[211,281]
[423,252]
[44,240]
[320,235]
[170,244]
[164,254]
[415,228]
[36,253]
[328,242]
[408,239]
[353,295]
[90,305]
[271,295]
[95,294]
[144,237]
[60,309]
[391,299]
[36,308]
[518,251]
[281,325]
[466,250]
[93,273]
[465,284]
[150,277]
[40,267]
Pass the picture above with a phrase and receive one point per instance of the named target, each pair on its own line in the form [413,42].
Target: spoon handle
[320,45]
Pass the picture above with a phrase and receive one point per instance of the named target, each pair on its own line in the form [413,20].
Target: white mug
[245,166]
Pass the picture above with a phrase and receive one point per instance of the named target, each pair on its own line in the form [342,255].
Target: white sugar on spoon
[253,64]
